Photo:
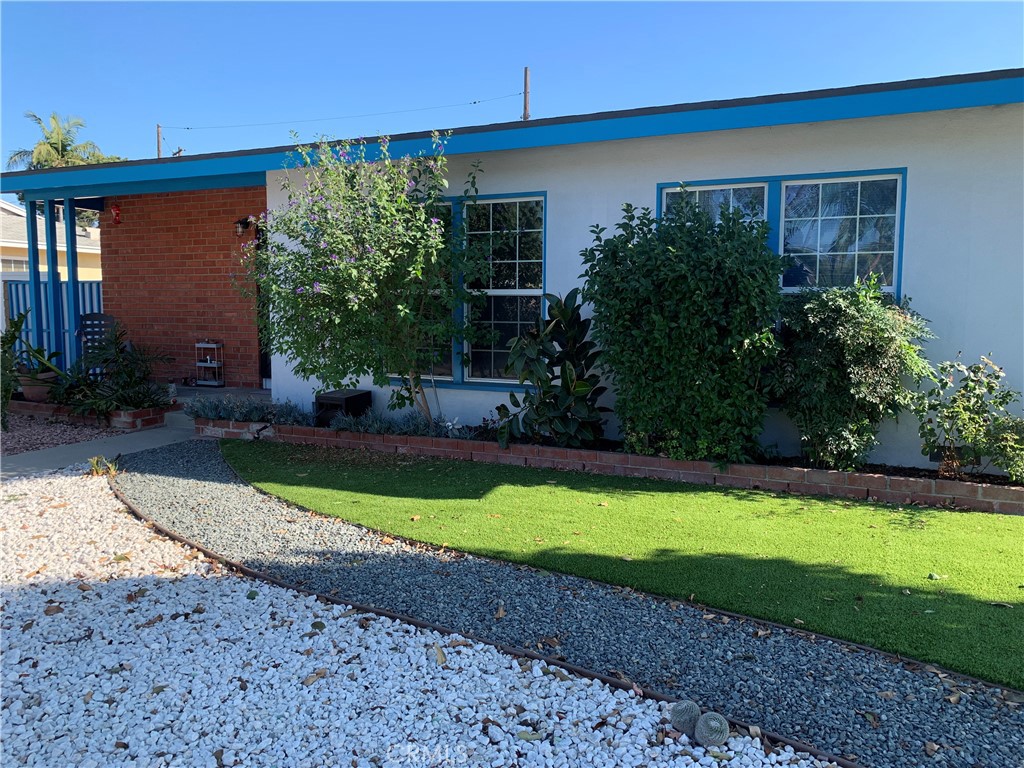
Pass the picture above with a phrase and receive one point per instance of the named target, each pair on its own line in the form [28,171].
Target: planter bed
[129,421]
[982,497]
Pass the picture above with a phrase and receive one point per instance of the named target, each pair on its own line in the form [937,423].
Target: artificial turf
[938,585]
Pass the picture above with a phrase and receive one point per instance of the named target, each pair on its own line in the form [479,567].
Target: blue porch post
[74,310]
[35,291]
[53,283]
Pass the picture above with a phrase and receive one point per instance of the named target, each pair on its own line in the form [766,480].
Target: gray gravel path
[848,702]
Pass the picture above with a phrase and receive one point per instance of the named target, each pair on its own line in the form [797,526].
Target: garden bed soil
[868,486]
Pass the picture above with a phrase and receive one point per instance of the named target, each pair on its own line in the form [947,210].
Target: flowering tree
[361,273]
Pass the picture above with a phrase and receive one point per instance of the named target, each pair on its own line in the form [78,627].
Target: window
[748,198]
[437,356]
[836,231]
[833,228]
[511,233]
[14,265]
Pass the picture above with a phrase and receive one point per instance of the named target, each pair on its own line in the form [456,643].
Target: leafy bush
[1004,444]
[9,363]
[411,423]
[355,274]
[248,408]
[845,355]
[559,363]
[966,420]
[112,375]
[684,310]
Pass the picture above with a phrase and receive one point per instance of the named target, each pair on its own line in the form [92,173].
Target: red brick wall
[167,271]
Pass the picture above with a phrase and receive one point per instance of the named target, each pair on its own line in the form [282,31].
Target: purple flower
[334,257]
[300,289]
[350,259]
[316,287]
[435,221]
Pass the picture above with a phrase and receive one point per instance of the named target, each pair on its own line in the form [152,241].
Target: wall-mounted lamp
[242,226]
[115,214]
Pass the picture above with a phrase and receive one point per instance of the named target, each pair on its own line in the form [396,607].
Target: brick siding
[167,277]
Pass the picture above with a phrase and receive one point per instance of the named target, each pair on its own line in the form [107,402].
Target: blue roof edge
[243,168]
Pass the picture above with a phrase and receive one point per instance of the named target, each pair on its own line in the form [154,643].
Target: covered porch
[171,243]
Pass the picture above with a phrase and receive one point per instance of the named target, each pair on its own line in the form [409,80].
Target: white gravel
[120,647]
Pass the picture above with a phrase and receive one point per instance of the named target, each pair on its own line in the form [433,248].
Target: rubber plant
[559,363]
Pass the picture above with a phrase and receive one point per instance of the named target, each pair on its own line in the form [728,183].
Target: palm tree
[58,146]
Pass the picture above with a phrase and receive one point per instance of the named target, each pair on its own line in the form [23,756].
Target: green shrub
[684,310]
[411,423]
[9,363]
[356,273]
[964,419]
[1004,444]
[845,355]
[112,375]
[248,408]
[559,363]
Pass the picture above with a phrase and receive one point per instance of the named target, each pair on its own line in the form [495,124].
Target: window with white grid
[511,233]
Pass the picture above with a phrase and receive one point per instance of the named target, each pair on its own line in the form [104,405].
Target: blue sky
[124,67]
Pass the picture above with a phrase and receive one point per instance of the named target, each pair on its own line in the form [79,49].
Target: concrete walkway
[178,428]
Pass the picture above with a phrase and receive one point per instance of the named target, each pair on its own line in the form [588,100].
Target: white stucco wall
[963,251]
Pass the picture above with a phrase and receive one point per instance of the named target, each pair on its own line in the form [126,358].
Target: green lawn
[851,569]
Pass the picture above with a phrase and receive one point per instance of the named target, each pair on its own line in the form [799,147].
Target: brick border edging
[129,421]
[982,497]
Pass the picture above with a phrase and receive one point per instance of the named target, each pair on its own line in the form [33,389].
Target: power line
[343,117]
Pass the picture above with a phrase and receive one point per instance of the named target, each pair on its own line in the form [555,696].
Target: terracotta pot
[36,387]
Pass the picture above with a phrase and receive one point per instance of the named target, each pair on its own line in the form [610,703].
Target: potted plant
[37,373]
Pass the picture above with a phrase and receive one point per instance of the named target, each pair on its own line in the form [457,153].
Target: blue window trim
[773,214]
[459,380]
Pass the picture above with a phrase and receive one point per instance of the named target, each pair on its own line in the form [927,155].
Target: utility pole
[159,152]
[526,93]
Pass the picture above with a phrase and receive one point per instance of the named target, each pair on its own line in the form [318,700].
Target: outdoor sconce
[115,214]
[242,226]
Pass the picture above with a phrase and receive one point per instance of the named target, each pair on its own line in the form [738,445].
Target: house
[936,167]
[14,245]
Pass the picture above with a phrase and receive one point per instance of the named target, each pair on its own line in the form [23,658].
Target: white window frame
[713,187]
[897,229]
[497,292]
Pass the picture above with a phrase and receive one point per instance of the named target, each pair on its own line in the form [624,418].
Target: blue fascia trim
[773,214]
[151,187]
[1009,90]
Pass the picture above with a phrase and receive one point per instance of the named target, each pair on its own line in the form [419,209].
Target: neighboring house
[921,180]
[14,246]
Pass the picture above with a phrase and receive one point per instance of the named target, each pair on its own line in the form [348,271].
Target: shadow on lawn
[427,478]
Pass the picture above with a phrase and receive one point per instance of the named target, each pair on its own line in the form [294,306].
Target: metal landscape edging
[767,738]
